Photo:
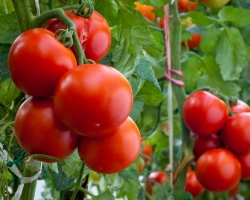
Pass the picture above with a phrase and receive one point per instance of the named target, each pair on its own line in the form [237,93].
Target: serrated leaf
[4,51]
[231,54]
[107,195]
[133,35]
[8,28]
[8,92]
[149,94]
[155,2]
[213,78]
[199,18]
[209,38]
[237,16]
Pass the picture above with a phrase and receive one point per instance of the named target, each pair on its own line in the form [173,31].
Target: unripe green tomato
[215,3]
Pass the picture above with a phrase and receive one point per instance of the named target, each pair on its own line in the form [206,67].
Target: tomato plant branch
[39,156]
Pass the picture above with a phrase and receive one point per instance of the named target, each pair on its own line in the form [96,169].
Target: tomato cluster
[222,142]
[84,107]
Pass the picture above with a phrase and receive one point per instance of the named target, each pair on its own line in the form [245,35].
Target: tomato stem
[39,156]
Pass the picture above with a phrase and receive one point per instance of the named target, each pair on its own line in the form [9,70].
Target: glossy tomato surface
[241,106]
[236,132]
[244,159]
[154,178]
[37,60]
[194,41]
[38,131]
[204,114]
[186,5]
[192,184]
[113,152]
[146,11]
[93,33]
[93,99]
[218,170]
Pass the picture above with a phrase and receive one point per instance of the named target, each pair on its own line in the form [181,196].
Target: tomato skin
[204,114]
[194,41]
[236,133]
[93,33]
[186,5]
[146,11]
[93,99]
[214,3]
[241,106]
[113,152]
[156,177]
[244,159]
[218,170]
[147,150]
[38,131]
[203,144]
[37,60]
[192,184]
[160,22]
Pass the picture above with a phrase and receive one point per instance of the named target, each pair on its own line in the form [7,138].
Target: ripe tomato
[113,152]
[192,184]
[37,60]
[203,144]
[147,150]
[154,178]
[160,22]
[218,170]
[194,41]
[38,131]
[204,113]
[146,11]
[244,159]
[236,132]
[93,99]
[186,5]
[215,3]
[93,33]
[241,106]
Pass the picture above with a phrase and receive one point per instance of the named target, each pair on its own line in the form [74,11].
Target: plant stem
[78,183]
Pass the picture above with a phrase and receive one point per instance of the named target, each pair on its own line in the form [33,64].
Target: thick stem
[78,183]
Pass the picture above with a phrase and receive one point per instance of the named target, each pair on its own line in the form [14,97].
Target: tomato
[218,170]
[37,60]
[194,41]
[192,184]
[93,99]
[244,159]
[155,178]
[203,144]
[147,151]
[113,152]
[215,3]
[241,106]
[146,11]
[93,33]
[236,133]
[186,5]
[38,131]
[233,192]
[204,113]
[160,22]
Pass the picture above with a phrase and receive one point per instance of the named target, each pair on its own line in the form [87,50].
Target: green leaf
[8,92]
[199,18]
[133,36]
[231,54]
[237,16]
[149,94]
[209,38]
[155,2]
[8,28]
[213,78]
[136,110]
[129,189]
[129,173]
[51,167]
[6,8]
[106,195]
[4,51]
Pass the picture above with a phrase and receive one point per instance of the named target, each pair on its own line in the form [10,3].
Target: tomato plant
[38,131]
[204,113]
[113,152]
[155,178]
[186,5]
[218,170]
[38,75]
[192,184]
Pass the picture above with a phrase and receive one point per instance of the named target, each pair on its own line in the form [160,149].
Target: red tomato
[93,99]
[160,22]
[203,144]
[218,170]
[192,184]
[147,150]
[204,113]
[186,5]
[113,152]
[146,11]
[38,131]
[154,178]
[37,60]
[93,33]
[194,41]
[241,106]
[236,132]
[244,159]
[233,192]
